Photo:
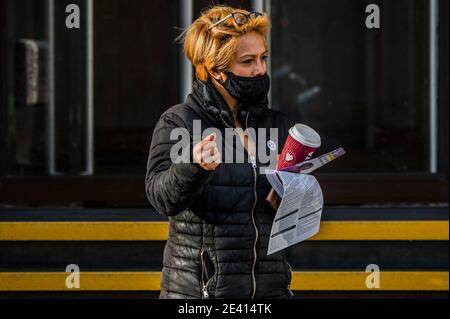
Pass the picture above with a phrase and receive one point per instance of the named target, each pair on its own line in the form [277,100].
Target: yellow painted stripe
[383,230]
[419,281]
[89,281]
[83,230]
[329,230]
[149,281]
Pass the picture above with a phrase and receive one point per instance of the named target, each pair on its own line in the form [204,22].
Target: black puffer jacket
[219,221]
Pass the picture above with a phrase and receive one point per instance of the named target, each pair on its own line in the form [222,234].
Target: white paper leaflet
[298,216]
[300,210]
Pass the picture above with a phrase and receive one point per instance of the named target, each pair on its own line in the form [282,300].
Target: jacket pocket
[207,271]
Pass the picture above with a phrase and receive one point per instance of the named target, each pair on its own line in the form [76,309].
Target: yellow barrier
[149,281]
[157,231]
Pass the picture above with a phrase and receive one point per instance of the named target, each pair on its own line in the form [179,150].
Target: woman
[219,220]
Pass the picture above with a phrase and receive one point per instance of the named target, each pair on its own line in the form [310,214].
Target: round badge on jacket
[271,145]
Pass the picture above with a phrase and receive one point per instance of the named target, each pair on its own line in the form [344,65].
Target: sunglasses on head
[238,17]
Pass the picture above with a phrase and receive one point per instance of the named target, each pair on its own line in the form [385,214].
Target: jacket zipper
[204,285]
[255,175]
[254,225]
[289,283]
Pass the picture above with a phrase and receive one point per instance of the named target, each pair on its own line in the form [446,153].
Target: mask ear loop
[242,114]
[226,73]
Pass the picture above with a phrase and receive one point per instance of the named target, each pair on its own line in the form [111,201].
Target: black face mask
[248,91]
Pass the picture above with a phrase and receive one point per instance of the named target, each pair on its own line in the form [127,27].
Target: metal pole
[433,63]
[89,89]
[51,169]
[264,6]
[187,13]
[258,5]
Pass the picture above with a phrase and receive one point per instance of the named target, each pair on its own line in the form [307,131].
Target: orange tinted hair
[214,49]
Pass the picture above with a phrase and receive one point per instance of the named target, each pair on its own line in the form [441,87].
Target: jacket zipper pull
[289,285]
[253,160]
[290,291]
[205,288]
[205,292]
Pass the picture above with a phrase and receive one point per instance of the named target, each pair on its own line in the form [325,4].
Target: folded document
[300,210]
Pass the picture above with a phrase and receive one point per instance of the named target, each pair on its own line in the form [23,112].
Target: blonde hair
[214,49]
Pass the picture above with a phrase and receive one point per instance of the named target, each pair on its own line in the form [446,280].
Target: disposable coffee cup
[300,145]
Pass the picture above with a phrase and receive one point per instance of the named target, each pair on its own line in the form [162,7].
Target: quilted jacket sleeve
[171,187]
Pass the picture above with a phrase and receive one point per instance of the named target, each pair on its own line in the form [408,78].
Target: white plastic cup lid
[305,135]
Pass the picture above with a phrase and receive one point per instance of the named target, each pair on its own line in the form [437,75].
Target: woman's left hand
[273,199]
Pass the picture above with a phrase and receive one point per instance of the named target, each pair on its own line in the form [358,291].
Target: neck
[231,101]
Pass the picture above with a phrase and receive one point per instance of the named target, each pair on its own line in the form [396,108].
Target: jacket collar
[212,102]
[206,95]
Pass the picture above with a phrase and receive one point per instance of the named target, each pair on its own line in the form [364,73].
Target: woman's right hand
[206,154]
